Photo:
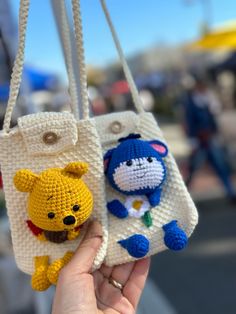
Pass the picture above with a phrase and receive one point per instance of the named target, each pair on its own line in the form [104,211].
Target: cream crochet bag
[46,140]
[176,205]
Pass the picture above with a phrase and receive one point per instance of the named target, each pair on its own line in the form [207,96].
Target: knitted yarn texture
[20,150]
[59,200]
[135,166]
[131,237]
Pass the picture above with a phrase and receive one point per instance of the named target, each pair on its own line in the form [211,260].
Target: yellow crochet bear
[59,203]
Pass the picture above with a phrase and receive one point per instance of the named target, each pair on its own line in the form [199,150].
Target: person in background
[200,109]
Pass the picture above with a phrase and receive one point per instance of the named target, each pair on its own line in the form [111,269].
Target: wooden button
[116,127]
[50,138]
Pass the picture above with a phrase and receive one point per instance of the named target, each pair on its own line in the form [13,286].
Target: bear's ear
[160,147]
[107,158]
[77,167]
[24,180]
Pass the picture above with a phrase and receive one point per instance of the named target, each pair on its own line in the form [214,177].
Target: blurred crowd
[193,99]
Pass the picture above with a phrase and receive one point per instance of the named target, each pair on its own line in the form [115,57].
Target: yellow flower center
[137,204]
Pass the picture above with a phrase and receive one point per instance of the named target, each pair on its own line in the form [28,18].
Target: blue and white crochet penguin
[136,168]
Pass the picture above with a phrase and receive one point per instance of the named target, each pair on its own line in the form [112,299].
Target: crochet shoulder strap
[66,41]
[19,63]
[65,33]
[133,88]
[78,30]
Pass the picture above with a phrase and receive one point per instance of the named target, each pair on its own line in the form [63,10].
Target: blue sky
[140,24]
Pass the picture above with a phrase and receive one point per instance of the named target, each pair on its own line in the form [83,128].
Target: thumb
[84,256]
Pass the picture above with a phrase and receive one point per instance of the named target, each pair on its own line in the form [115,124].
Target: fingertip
[142,267]
[94,230]
[136,282]
[85,254]
[147,261]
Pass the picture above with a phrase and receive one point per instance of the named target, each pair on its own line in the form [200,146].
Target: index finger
[84,256]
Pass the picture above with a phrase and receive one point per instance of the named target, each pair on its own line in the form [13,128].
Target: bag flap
[112,127]
[48,132]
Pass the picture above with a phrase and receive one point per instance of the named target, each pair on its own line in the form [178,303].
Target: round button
[116,127]
[50,138]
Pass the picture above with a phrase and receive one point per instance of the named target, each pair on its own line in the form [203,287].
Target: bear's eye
[149,159]
[129,163]
[51,215]
[76,208]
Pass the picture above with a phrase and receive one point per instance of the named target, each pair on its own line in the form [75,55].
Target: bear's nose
[69,220]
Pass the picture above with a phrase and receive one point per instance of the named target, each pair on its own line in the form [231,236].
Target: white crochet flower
[137,205]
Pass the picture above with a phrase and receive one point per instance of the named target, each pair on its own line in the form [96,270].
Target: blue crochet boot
[117,209]
[137,245]
[175,238]
[155,197]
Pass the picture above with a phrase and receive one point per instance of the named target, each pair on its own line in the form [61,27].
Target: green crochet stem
[147,219]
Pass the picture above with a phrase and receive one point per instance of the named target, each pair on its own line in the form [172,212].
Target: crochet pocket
[48,132]
[114,126]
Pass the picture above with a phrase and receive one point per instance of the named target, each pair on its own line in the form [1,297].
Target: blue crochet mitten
[175,238]
[154,198]
[137,245]
[117,209]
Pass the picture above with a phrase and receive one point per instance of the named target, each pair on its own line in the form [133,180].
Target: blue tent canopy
[37,80]
[40,80]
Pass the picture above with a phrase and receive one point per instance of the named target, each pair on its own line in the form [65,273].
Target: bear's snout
[69,220]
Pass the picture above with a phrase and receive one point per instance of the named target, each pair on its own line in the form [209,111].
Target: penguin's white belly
[140,175]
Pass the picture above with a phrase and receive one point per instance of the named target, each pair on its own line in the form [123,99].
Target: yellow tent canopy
[223,37]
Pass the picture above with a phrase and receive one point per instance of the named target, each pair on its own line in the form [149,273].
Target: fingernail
[94,230]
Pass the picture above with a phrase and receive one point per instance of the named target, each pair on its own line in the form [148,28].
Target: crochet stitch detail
[136,167]
[59,200]
[59,203]
[137,245]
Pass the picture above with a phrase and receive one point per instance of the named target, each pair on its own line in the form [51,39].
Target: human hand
[81,292]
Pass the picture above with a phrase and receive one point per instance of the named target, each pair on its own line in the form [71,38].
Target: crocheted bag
[145,215]
[41,141]
[149,206]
